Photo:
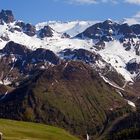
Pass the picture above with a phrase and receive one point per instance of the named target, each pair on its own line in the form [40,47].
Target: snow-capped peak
[118,44]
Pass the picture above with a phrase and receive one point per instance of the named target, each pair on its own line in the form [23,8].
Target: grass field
[15,130]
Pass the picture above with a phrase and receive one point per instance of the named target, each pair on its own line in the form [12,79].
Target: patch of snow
[4,95]
[100,64]
[6,82]
[110,83]
[120,94]
[66,65]
[1,82]
[131,103]
[23,63]
[87,137]
[42,67]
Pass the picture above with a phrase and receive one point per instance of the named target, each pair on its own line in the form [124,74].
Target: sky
[35,11]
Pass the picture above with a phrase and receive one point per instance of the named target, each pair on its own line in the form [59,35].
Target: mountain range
[81,75]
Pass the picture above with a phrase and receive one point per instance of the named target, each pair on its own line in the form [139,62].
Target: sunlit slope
[17,130]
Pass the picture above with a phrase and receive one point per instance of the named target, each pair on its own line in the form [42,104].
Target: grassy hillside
[71,95]
[15,130]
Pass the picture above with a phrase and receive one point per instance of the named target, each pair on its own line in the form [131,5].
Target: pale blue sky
[35,11]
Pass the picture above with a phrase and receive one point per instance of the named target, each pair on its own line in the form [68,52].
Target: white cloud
[112,1]
[101,1]
[137,15]
[82,1]
[134,19]
[133,1]
[91,1]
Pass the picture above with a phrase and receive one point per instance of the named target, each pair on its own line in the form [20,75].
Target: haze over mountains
[79,75]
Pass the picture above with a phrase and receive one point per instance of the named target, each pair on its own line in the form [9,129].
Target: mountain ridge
[82,81]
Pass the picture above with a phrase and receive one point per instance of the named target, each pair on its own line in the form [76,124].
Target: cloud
[137,15]
[90,1]
[133,1]
[134,19]
[82,1]
[101,1]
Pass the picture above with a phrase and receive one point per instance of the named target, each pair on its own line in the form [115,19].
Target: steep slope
[18,61]
[70,95]
[118,44]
